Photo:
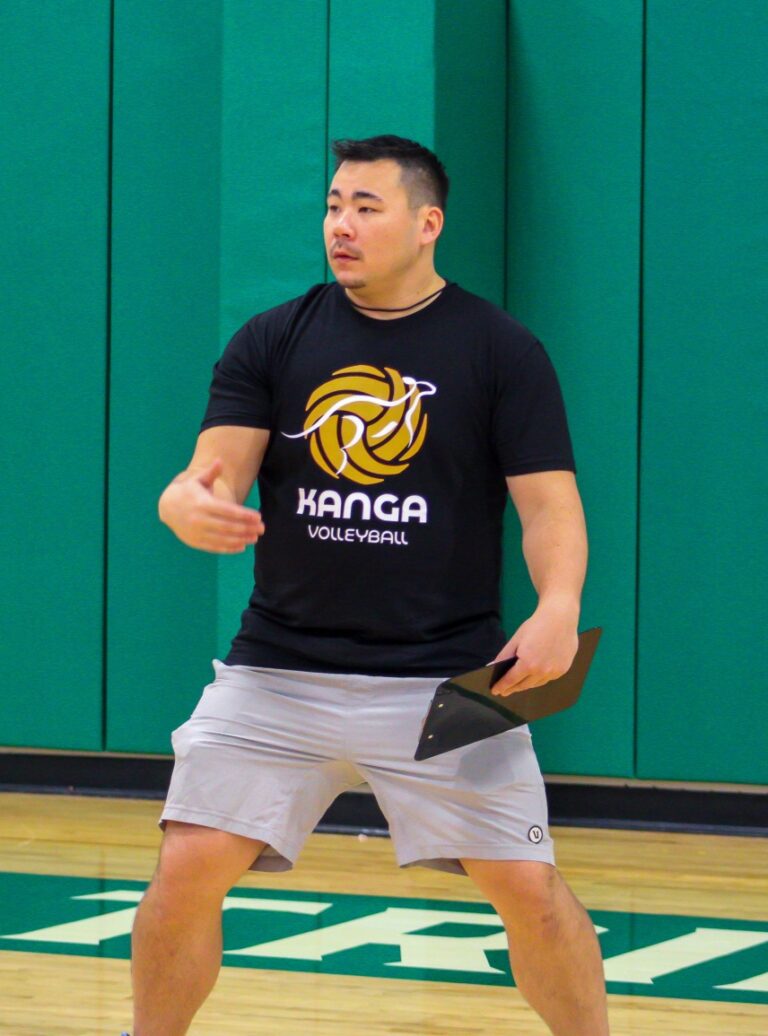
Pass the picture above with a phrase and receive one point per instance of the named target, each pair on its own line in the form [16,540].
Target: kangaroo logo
[366,424]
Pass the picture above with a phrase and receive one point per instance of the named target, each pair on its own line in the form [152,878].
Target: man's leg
[553,948]
[177,939]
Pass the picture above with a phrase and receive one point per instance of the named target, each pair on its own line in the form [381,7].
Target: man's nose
[342,227]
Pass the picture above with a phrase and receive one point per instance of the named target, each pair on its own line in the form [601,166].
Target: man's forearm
[555,551]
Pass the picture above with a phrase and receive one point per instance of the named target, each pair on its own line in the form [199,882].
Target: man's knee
[520,890]
[203,860]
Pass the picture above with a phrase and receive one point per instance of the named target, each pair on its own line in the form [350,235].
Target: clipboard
[463,709]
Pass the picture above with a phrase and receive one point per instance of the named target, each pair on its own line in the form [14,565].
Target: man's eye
[366,208]
[333,208]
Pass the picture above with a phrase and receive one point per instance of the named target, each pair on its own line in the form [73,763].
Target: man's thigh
[485,800]
[260,757]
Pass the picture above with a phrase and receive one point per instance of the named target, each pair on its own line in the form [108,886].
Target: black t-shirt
[382,488]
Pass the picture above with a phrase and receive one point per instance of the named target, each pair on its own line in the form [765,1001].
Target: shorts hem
[447,857]
[282,857]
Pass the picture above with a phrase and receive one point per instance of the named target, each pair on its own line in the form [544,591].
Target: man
[381,415]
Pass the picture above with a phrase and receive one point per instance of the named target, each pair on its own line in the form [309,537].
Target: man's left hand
[545,646]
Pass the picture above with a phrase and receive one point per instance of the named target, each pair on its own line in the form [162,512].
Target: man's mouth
[341,254]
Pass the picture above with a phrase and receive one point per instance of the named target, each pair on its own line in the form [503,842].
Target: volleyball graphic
[365,424]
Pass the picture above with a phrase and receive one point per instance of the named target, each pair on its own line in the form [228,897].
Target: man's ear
[432,224]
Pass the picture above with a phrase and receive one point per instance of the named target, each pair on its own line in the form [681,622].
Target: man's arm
[203,504]
[555,551]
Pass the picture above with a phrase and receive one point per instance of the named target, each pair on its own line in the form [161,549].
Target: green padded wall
[273,167]
[381,72]
[54,122]
[161,620]
[222,110]
[470,138]
[703,610]
[575,99]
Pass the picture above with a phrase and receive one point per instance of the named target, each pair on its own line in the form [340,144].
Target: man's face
[372,235]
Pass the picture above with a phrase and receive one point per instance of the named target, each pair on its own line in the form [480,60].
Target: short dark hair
[423,174]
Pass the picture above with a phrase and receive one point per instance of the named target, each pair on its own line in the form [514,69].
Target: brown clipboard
[463,709]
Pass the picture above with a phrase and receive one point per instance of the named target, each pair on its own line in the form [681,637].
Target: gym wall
[166,166]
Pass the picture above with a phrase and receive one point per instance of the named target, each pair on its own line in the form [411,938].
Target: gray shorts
[266,751]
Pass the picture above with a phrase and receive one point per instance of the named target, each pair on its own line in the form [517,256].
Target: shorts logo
[366,424]
[535,834]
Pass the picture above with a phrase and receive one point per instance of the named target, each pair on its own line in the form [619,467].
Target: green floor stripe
[657,955]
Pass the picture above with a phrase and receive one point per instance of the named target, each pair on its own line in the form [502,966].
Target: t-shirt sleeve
[530,427]
[240,392]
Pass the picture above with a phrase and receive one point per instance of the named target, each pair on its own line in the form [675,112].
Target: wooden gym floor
[57,993]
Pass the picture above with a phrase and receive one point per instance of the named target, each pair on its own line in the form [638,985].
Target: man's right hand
[191,507]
